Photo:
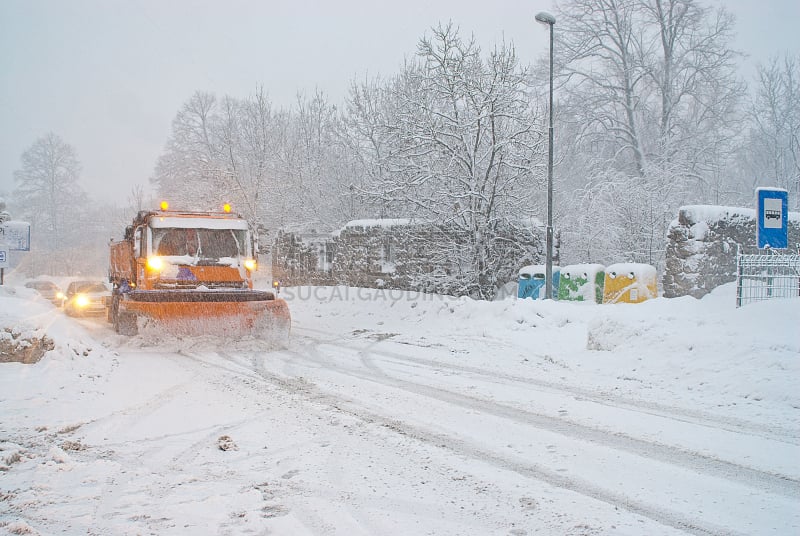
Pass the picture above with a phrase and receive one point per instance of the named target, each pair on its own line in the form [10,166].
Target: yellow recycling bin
[630,283]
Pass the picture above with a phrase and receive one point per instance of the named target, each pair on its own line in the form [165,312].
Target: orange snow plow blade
[201,309]
[231,312]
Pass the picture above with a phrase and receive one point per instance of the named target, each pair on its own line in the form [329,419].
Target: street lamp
[548,19]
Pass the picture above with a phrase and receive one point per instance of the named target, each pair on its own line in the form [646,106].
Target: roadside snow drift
[403,413]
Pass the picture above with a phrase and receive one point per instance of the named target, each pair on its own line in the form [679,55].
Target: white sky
[109,76]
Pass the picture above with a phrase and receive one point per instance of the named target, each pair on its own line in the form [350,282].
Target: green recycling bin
[582,282]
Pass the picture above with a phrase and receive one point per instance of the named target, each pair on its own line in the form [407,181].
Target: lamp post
[549,20]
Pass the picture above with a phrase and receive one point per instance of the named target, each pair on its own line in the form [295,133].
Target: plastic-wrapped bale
[582,282]
[630,283]
[531,281]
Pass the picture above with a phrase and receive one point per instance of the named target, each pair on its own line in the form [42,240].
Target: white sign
[3,257]
[16,235]
[773,212]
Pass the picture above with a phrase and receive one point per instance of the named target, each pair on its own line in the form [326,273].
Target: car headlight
[59,295]
[81,300]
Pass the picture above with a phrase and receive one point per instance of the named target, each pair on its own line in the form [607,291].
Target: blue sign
[772,214]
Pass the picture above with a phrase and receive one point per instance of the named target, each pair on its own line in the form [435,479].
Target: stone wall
[299,259]
[404,255]
[702,244]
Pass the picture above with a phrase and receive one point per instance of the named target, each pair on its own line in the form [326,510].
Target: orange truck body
[187,267]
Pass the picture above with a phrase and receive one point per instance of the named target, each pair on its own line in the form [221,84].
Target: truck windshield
[199,243]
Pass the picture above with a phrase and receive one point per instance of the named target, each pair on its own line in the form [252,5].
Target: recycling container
[630,283]
[531,281]
[582,282]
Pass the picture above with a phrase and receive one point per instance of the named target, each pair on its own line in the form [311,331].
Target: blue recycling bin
[531,281]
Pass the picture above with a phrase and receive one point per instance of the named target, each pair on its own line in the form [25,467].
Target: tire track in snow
[698,462]
[464,448]
[247,367]
[167,466]
[701,418]
[687,460]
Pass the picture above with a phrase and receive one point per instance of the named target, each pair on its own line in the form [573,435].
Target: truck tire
[126,324]
[111,309]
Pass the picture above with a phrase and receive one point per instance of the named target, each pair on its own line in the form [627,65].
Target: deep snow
[403,413]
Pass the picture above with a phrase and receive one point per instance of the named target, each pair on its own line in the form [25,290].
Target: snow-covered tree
[651,89]
[454,142]
[318,168]
[277,167]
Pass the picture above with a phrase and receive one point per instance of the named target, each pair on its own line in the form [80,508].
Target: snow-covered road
[409,415]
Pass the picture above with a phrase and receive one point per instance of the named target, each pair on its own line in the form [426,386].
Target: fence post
[738,276]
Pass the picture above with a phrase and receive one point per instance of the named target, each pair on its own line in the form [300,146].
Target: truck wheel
[126,324]
[112,308]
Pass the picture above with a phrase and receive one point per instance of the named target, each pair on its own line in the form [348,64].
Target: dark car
[47,290]
[86,298]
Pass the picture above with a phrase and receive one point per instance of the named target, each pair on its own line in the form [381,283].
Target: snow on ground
[404,413]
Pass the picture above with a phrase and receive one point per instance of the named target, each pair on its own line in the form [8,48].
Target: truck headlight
[81,300]
[250,264]
[155,264]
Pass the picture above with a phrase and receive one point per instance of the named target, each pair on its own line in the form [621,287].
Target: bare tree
[322,177]
[47,189]
[188,172]
[277,167]
[693,71]
[774,141]
[652,86]
[136,197]
[600,65]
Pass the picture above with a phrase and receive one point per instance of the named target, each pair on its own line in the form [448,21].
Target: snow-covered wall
[702,244]
[302,259]
[405,255]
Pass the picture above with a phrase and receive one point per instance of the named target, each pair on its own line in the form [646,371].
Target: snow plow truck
[193,272]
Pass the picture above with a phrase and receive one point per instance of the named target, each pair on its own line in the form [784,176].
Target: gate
[766,275]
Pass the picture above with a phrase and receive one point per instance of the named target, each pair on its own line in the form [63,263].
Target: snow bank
[124,436]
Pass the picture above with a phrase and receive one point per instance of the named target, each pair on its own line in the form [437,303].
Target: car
[47,290]
[86,298]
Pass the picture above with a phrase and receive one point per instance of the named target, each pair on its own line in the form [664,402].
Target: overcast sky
[108,76]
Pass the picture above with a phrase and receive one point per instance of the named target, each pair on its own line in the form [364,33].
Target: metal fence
[766,276]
